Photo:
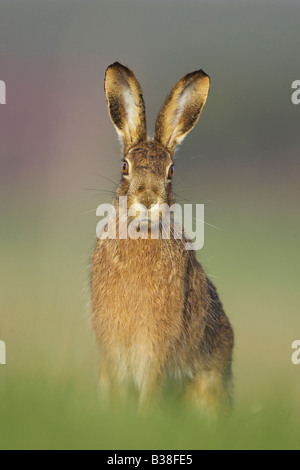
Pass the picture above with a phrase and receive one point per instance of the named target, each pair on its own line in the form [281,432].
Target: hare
[154,311]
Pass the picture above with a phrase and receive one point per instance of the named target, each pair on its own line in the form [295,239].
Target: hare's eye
[125,168]
[171,172]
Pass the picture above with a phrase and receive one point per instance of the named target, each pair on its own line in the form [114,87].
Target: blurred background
[58,151]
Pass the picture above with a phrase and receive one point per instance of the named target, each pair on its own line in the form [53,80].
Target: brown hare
[154,311]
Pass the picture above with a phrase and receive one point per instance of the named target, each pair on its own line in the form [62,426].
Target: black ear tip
[113,66]
[118,66]
[204,75]
[197,74]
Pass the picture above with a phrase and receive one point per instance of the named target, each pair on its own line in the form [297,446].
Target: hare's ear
[126,105]
[182,109]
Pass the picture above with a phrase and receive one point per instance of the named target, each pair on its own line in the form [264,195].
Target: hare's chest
[138,299]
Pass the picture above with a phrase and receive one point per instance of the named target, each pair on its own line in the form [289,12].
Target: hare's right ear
[126,105]
[182,109]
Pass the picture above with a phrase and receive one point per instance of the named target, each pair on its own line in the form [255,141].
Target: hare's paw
[150,393]
[207,392]
[110,391]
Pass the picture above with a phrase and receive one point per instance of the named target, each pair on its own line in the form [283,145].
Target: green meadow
[241,161]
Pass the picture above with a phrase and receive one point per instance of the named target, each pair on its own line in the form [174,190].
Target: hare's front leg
[150,392]
[209,393]
[110,390]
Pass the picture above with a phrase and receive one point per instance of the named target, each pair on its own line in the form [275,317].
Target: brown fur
[171,126]
[154,311]
[122,87]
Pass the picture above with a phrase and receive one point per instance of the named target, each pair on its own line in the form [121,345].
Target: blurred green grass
[244,159]
[37,415]
[48,387]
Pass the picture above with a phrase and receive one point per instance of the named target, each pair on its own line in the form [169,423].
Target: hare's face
[147,174]
[148,165]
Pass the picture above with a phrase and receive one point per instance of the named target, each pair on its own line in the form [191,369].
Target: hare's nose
[148,199]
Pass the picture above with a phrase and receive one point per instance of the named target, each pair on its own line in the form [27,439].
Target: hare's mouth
[141,213]
[147,222]
[143,219]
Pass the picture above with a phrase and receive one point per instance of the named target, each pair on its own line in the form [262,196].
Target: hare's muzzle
[148,199]
[143,214]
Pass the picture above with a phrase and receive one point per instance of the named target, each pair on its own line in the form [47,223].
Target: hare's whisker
[206,223]
[88,212]
[179,182]
[106,191]
[107,179]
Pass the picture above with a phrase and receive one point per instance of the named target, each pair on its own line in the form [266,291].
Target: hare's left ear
[182,109]
[126,105]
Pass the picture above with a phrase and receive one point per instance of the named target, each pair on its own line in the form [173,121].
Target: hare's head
[148,166]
